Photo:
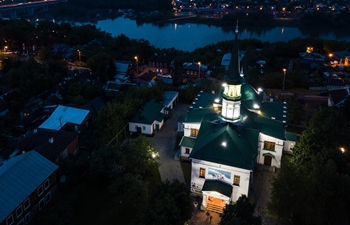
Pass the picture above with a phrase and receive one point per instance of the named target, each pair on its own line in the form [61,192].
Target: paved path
[164,140]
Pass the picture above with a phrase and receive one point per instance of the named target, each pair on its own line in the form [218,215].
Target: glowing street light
[79,55]
[199,69]
[284,76]
[137,64]
[342,150]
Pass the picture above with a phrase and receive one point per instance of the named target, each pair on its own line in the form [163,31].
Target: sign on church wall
[214,173]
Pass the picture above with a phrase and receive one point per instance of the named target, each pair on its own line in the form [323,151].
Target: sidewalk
[164,140]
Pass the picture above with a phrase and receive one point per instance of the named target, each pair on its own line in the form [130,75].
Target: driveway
[164,140]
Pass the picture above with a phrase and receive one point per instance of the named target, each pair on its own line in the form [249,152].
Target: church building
[227,133]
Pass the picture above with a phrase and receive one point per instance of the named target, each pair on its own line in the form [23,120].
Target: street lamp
[330,57]
[284,76]
[79,55]
[199,69]
[137,65]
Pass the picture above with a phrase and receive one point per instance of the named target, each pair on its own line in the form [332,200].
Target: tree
[170,203]
[240,213]
[311,188]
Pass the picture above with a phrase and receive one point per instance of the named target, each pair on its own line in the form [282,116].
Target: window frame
[19,214]
[235,178]
[187,150]
[41,202]
[42,190]
[7,220]
[202,172]
[194,132]
[47,184]
[24,204]
[48,197]
[27,218]
[269,146]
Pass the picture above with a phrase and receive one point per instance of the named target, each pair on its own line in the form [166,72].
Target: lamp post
[330,58]
[284,76]
[199,69]
[79,55]
[137,65]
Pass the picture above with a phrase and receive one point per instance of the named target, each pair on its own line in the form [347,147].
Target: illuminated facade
[227,133]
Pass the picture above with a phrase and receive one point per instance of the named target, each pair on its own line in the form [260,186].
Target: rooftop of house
[338,95]
[149,113]
[63,115]
[19,177]
[169,96]
[94,106]
[49,143]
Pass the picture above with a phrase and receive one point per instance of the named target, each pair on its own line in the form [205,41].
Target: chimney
[51,140]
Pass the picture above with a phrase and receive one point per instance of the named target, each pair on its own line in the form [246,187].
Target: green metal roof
[149,113]
[266,125]
[218,186]
[187,142]
[181,118]
[290,136]
[233,75]
[276,110]
[238,151]
[160,117]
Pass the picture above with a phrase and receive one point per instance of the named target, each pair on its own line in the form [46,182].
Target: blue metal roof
[19,177]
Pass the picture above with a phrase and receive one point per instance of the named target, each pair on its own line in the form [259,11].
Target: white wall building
[226,134]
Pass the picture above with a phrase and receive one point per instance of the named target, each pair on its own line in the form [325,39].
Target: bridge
[11,9]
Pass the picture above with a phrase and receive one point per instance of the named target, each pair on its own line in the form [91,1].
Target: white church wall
[189,126]
[277,152]
[221,172]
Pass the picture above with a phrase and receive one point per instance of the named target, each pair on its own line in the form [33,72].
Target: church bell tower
[231,96]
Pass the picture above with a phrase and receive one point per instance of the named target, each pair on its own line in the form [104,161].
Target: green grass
[186,170]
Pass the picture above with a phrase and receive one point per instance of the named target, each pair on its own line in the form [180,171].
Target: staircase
[215,208]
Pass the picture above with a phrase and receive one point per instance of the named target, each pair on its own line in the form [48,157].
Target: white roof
[122,66]
[19,177]
[63,115]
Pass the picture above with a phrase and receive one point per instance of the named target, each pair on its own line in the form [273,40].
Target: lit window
[19,211]
[26,204]
[46,184]
[269,145]
[236,180]
[187,151]
[194,132]
[202,172]
[40,190]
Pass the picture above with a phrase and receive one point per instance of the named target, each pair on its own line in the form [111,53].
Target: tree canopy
[240,213]
[312,187]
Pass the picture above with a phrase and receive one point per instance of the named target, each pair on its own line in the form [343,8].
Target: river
[188,37]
